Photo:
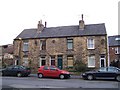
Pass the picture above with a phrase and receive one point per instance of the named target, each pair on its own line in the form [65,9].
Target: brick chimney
[81,23]
[40,26]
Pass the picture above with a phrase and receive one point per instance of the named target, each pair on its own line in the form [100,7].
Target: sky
[17,15]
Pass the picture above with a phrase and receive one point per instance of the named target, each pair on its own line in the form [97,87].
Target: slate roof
[64,31]
[114,40]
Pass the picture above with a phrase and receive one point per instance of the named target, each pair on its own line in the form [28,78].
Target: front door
[102,61]
[42,61]
[60,62]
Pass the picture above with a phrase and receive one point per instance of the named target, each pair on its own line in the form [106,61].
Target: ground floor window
[91,61]
[70,61]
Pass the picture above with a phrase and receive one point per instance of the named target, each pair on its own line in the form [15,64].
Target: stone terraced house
[62,45]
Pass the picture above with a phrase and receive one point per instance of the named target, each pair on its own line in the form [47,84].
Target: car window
[110,69]
[8,68]
[52,68]
[16,67]
[103,69]
[22,67]
[46,68]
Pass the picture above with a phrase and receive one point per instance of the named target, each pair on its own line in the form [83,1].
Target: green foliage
[79,66]
[115,63]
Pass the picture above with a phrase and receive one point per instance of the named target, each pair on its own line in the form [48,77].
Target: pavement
[72,76]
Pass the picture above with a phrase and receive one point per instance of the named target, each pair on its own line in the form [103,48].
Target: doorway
[60,62]
[102,61]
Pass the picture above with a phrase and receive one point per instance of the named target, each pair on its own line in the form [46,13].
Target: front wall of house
[112,54]
[58,47]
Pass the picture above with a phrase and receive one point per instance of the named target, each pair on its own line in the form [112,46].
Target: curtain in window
[91,61]
[70,61]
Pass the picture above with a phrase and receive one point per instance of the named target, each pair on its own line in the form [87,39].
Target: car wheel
[118,78]
[90,77]
[19,74]
[62,76]
[40,75]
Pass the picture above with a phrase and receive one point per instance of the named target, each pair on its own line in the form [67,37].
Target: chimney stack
[81,23]
[40,26]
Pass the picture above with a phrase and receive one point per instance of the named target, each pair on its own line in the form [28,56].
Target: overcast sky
[17,15]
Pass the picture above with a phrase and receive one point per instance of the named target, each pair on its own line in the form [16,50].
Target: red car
[52,71]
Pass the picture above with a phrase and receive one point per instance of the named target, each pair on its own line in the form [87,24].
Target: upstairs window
[90,44]
[69,44]
[117,50]
[117,39]
[25,46]
[42,44]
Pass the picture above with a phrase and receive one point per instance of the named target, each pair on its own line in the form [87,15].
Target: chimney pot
[45,24]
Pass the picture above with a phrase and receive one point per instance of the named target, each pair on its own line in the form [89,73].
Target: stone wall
[58,46]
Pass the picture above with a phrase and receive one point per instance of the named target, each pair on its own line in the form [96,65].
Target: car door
[46,71]
[54,72]
[101,73]
[15,70]
[111,72]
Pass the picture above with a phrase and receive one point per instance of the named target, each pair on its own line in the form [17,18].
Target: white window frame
[40,61]
[116,50]
[117,39]
[25,45]
[92,57]
[103,58]
[90,43]
[69,44]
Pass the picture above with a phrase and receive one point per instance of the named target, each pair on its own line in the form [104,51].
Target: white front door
[102,61]
[42,61]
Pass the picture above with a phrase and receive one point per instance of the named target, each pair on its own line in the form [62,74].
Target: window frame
[72,59]
[52,58]
[42,44]
[90,43]
[116,50]
[41,59]
[91,57]
[25,46]
[69,44]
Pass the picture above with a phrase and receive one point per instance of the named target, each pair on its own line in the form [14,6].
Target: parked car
[16,70]
[52,71]
[103,73]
